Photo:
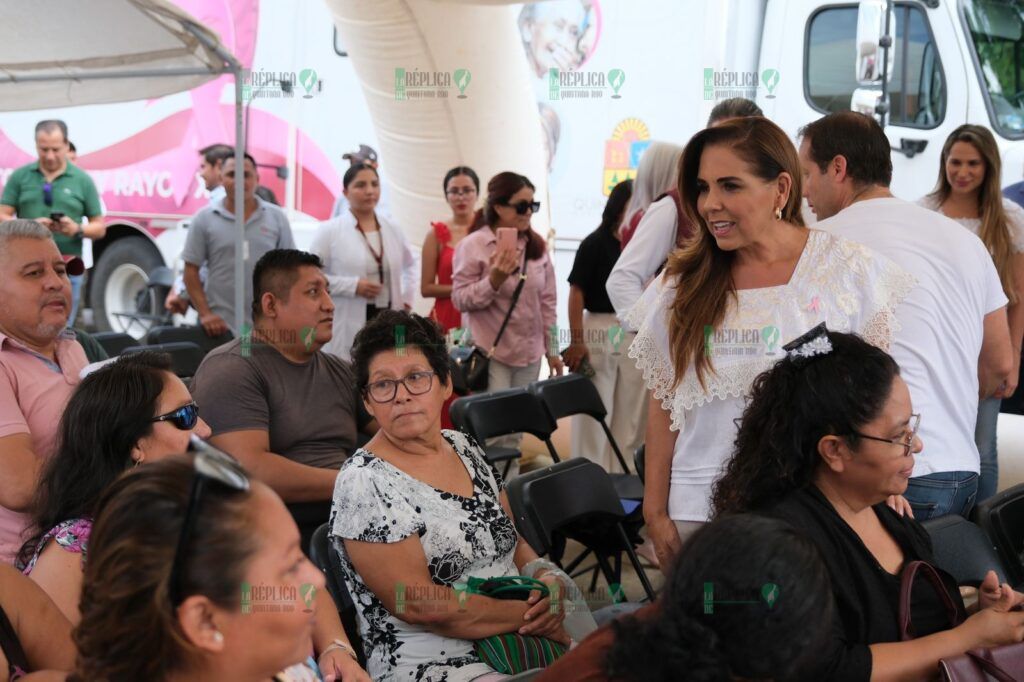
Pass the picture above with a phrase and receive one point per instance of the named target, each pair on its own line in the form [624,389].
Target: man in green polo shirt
[58,195]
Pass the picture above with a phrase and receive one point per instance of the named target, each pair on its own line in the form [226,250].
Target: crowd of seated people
[158,529]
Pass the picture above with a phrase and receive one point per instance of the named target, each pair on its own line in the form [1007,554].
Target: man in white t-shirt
[954,342]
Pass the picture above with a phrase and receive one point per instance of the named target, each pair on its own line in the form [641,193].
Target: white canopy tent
[61,53]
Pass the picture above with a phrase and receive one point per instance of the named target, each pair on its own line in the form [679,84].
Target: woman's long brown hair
[702,271]
[995,227]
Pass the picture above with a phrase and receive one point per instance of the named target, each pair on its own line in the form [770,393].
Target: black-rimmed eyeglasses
[907,441]
[210,465]
[385,390]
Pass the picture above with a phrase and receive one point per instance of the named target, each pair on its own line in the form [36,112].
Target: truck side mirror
[871,41]
[867,101]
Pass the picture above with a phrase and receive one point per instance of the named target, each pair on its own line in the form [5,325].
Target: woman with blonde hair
[655,175]
[968,191]
[751,277]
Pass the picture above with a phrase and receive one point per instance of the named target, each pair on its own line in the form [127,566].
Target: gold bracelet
[338,644]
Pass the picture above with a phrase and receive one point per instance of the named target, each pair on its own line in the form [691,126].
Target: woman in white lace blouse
[752,277]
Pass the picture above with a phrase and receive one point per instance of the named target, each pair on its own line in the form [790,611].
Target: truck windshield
[996,28]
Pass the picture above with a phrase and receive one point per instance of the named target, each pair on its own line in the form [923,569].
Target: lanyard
[379,257]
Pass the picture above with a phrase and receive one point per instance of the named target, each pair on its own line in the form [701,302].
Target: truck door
[928,90]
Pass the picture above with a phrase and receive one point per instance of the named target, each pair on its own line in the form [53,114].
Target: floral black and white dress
[461,536]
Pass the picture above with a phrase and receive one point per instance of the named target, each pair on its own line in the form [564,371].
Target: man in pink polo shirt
[40,361]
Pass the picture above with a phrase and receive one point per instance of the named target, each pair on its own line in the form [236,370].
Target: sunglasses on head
[210,465]
[184,418]
[522,207]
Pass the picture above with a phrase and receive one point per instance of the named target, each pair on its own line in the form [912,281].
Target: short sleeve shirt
[461,537]
[595,259]
[310,410]
[73,194]
[211,240]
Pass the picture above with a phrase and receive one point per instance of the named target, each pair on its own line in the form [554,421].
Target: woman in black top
[828,434]
[598,345]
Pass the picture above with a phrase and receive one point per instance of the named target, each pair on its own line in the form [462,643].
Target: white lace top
[1014,219]
[836,281]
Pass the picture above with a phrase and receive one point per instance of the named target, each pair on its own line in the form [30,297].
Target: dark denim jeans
[948,492]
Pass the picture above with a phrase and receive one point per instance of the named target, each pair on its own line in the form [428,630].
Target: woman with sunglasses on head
[419,507]
[486,278]
[130,412]
[828,434]
[195,573]
[367,260]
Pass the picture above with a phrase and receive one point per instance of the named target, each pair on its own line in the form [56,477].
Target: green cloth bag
[512,653]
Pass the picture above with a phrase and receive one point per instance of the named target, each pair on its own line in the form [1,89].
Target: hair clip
[814,342]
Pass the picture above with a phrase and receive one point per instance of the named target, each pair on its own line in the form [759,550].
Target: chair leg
[606,569]
[577,561]
[508,467]
[552,451]
[635,561]
[615,447]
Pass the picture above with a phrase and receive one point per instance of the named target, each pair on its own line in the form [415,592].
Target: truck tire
[120,285]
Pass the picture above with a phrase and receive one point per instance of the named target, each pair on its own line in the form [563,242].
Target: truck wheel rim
[124,287]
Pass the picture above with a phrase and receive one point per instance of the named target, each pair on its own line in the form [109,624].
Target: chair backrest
[963,550]
[185,356]
[114,342]
[326,559]
[562,494]
[570,394]
[1002,518]
[196,335]
[499,413]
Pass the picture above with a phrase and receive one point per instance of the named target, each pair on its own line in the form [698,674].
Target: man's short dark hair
[51,124]
[856,137]
[276,272]
[394,329]
[247,156]
[734,107]
[215,153]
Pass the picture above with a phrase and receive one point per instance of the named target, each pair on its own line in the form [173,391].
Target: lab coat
[346,260]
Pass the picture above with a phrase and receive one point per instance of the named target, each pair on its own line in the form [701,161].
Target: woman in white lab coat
[368,262]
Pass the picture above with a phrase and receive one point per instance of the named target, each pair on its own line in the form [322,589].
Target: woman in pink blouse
[484,280]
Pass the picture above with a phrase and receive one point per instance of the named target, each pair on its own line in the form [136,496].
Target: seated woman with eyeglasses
[418,510]
[194,573]
[828,434]
[132,411]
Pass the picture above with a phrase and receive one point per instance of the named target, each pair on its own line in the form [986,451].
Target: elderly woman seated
[828,434]
[418,511]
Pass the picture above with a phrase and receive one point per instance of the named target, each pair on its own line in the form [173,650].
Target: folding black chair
[574,394]
[963,550]
[196,335]
[639,455]
[577,499]
[1002,518]
[326,559]
[114,343]
[185,356]
[500,413]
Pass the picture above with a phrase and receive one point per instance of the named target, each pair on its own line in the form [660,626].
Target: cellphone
[507,239]
[55,217]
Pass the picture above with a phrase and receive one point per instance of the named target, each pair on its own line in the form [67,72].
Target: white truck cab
[951,62]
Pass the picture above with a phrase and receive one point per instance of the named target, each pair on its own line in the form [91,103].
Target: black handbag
[470,363]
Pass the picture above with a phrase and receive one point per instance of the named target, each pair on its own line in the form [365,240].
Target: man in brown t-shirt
[289,412]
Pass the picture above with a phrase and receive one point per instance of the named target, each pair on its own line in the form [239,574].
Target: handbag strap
[906,588]
[515,299]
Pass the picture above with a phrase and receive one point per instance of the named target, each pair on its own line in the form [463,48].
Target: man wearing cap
[40,361]
[56,194]
[368,156]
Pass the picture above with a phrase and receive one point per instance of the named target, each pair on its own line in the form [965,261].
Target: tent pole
[240,254]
